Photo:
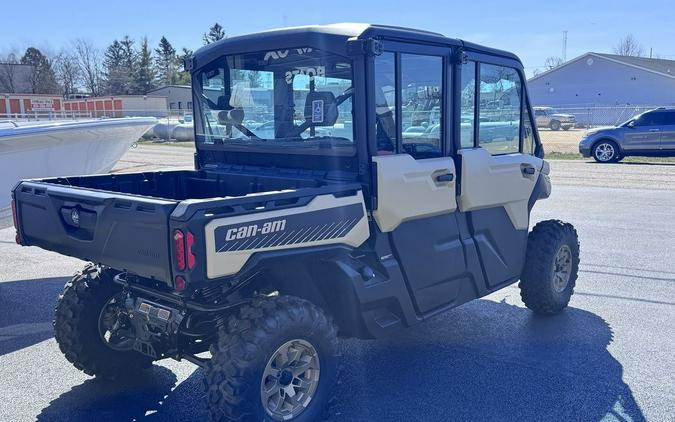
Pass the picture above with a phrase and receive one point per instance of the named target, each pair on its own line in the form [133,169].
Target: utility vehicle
[329,222]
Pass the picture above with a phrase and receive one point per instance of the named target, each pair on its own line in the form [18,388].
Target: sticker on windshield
[317,111]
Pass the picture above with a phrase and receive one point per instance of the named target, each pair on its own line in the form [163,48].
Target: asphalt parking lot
[610,356]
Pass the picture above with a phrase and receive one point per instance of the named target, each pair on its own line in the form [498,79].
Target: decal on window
[317,111]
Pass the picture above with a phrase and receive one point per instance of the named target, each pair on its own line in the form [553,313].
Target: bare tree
[8,73]
[89,62]
[628,46]
[552,62]
[67,71]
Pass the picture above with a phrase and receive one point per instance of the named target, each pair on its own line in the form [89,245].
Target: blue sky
[531,29]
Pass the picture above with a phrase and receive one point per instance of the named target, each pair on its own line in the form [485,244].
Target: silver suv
[548,117]
[651,133]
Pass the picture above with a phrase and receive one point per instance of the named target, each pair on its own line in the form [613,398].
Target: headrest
[321,108]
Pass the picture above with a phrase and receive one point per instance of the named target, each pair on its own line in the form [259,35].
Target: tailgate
[125,232]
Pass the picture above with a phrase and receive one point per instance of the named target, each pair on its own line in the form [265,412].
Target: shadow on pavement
[122,400]
[488,361]
[27,311]
[482,361]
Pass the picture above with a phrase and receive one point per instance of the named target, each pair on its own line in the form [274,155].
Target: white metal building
[600,79]
[178,97]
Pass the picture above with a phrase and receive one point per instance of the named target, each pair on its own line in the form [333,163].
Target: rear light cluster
[17,238]
[183,255]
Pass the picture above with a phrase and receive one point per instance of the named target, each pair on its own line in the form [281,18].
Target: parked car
[650,134]
[548,117]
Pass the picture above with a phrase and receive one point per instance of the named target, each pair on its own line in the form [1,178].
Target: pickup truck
[309,215]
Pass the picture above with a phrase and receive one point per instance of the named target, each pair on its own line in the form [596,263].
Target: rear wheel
[91,328]
[554,125]
[276,360]
[606,152]
[551,266]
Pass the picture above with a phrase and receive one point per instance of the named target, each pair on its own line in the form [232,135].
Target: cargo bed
[124,221]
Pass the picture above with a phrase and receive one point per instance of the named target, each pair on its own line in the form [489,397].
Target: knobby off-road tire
[551,266]
[247,363]
[76,326]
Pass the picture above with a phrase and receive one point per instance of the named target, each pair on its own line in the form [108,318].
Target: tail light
[16,222]
[179,249]
[180,283]
[191,259]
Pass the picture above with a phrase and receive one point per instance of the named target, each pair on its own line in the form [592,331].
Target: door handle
[654,130]
[528,170]
[448,177]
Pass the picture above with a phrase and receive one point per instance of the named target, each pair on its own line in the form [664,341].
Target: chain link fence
[590,116]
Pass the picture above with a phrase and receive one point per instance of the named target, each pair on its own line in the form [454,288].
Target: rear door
[645,134]
[415,176]
[668,133]
[498,171]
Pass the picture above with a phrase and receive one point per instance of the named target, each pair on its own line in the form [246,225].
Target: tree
[8,74]
[144,76]
[128,65]
[113,68]
[165,59]
[42,78]
[628,46]
[89,62]
[215,33]
[552,62]
[67,72]
[183,75]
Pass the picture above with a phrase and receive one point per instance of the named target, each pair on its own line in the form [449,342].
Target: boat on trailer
[46,149]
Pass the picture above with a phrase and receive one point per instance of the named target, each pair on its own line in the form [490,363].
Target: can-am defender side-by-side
[350,180]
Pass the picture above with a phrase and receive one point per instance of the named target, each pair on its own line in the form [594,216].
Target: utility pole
[564,47]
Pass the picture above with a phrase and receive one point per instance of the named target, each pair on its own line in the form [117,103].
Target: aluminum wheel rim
[562,268]
[604,152]
[290,380]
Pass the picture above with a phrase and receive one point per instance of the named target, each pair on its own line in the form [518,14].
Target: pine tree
[215,33]
[165,60]
[184,77]
[114,72]
[129,59]
[144,76]
[43,78]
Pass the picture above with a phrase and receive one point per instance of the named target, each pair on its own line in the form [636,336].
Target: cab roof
[331,37]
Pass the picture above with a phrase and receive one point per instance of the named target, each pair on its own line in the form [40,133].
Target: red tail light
[180,283]
[179,249]
[191,259]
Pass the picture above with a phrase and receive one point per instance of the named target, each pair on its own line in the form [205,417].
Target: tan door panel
[408,189]
[491,181]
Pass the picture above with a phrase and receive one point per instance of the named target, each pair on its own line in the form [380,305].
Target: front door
[644,134]
[416,202]
[499,172]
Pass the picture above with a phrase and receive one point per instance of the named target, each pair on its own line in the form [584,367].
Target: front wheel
[275,360]
[551,267]
[606,152]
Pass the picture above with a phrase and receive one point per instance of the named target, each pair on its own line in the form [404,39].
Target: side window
[385,103]
[499,109]
[669,117]
[468,104]
[651,119]
[421,105]
[528,132]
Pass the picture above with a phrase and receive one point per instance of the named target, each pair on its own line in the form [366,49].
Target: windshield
[281,101]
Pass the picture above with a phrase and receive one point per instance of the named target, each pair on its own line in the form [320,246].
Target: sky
[531,29]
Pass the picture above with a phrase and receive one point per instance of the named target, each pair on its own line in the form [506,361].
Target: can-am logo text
[254,229]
